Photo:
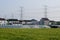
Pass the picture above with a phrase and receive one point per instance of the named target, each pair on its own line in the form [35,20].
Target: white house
[3,21]
[12,21]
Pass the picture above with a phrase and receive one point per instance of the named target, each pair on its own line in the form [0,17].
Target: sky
[32,9]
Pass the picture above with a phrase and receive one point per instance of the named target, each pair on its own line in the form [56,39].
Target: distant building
[28,22]
[34,22]
[52,22]
[44,21]
[12,21]
[24,21]
[2,21]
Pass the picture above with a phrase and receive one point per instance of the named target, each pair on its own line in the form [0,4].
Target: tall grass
[29,34]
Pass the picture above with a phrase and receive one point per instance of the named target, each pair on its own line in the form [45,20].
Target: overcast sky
[32,9]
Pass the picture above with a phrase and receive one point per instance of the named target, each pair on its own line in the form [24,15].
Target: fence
[24,26]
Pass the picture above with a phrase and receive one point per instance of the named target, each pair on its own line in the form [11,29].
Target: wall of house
[46,22]
[2,22]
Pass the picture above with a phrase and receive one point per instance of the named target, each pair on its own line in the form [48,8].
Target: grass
[29,34]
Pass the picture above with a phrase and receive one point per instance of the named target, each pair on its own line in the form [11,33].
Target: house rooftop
[33,20]
[25,20]
[45,18]
[2,18]
[12,19]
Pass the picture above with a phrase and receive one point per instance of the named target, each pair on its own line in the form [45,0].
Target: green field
[29,34]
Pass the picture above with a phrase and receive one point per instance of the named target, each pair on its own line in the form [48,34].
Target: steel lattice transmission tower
[45,11]
[21,15]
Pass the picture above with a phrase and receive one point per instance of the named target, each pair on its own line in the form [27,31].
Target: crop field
[29,34]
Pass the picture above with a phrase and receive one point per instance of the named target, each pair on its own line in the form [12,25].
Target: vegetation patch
[29,34]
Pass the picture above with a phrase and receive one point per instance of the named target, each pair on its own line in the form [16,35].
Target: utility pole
[45,8]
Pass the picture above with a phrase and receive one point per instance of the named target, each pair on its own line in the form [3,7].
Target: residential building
[12,21]
[44,21]
[28,22]
[3,21]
